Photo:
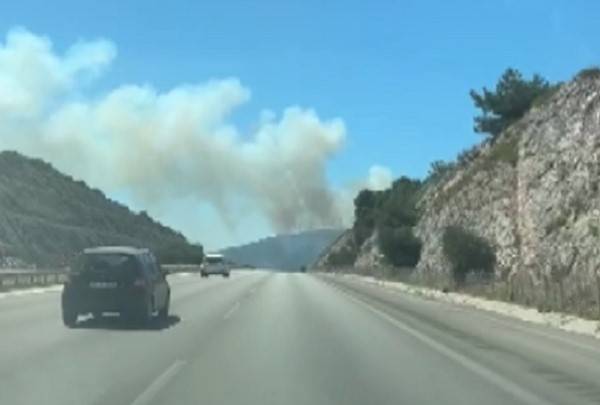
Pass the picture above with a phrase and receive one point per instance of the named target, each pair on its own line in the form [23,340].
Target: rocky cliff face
[369,254]
[343,254]
[479,196]
[340,253]
[534,194]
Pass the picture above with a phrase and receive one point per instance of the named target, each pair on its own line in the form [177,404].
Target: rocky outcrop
[534,194]
[344,254]
[370,255]
[481,197]
[340,253]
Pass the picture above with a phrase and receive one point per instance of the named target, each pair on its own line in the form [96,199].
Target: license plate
[103,284]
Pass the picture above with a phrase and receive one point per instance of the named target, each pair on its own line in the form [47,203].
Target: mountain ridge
[288,252]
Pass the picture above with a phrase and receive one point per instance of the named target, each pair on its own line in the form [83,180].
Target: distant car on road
[126,280]
[214,263]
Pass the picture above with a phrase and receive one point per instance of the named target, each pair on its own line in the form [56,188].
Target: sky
[332,95]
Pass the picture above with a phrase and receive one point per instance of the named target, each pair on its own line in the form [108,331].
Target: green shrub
[465,156]
[506,150]
[398,206]
[400,246]
[365,205]
[362,232]
[545,96]
[439,169]
[342,258]
[467,253]
[556,224]
[508,102]
[592,72]
[394,207]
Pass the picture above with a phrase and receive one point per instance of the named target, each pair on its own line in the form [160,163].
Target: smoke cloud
[160,146]
[380,178]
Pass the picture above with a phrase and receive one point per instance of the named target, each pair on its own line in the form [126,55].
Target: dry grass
[580,299]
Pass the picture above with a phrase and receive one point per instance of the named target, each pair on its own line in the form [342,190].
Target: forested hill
[47,216]
[284,252]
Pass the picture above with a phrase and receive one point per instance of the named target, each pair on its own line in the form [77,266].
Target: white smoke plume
[380,178]
[160,146]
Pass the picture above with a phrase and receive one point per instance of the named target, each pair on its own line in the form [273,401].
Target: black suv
[116,279]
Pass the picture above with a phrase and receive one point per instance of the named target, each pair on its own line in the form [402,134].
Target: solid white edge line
[484,372]
[528,329]
[523,325]
[150,392]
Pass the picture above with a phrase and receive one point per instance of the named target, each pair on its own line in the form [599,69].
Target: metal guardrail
[180,268]
[23,278]
[18,278]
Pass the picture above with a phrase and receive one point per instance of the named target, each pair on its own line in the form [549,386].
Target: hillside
[46,216]
[532,193]
[283,252]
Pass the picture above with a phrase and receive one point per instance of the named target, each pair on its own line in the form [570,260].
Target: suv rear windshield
[106,263]
[214,260]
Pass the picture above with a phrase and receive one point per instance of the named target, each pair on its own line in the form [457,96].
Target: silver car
[215,263]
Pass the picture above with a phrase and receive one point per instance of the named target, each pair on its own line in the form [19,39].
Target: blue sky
[397,72]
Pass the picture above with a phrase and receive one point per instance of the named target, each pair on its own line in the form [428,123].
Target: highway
[273,338]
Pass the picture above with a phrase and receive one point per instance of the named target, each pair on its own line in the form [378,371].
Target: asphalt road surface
[268,338]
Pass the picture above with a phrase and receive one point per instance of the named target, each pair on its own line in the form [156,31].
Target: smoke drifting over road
[158,146]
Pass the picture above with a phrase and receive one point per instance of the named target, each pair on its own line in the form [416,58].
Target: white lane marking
[232,310]
[156,385]
[521,324]
[484,372]
[183,274]
[543,334]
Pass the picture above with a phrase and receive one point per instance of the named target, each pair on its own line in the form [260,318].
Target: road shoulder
[565,322]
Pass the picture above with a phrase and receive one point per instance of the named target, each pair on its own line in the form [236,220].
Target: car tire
[226,275]
[69,317]
[141,317]
[163,313]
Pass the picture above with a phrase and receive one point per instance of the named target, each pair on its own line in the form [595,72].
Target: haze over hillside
[46,216]
[284,252]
